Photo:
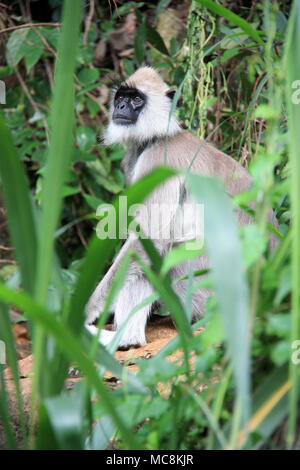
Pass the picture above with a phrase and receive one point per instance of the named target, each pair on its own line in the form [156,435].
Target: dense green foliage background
[234,63]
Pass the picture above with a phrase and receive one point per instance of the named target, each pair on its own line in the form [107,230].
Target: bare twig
[5,6]
[88,21]
[218,135]
[49,73]
[45,42]
[78,229]
[29,25]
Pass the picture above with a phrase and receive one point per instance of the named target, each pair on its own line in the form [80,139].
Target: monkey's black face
[128,104]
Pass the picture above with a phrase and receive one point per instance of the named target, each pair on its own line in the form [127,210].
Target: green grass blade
[220,392]
[18,205]
[61,142]
[4,415]
[221,237]
[209,415]
[71,348]
[270,408]
[251,108]
[6,335]
[100,434]
[163,286]
[271,404]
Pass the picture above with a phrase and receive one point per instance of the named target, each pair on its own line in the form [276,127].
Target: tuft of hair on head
[155,119]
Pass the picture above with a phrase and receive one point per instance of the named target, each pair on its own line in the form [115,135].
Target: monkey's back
[185,151]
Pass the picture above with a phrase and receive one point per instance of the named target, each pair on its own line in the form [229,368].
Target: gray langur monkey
[140,117]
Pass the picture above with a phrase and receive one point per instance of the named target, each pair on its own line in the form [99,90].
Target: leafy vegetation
[235,385]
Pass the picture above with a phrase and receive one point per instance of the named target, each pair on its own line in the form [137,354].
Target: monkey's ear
[170,93]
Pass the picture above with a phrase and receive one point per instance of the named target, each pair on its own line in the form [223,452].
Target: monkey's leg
[96,302]
[134,291]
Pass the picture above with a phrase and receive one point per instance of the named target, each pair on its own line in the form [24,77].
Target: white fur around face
[153,121]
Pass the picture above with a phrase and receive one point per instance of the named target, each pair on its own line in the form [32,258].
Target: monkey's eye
[136,99]
[119,98]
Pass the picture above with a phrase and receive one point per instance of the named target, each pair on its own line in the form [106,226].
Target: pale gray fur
[146,152]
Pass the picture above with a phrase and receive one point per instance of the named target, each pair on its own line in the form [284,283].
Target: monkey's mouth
[122,120]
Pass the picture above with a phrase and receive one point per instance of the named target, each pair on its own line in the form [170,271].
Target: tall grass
[293,71]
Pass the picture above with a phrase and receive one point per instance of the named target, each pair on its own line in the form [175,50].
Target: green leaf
[254,243]
[109,184]
[178,255]
[140,43]
[93,107]
[33,50]
[265,111]
[81,156]
[32,58]
[85,137]
[128,66]
[162,5]
[279,324]
[69,190]
[52,36]
[16,45]
[65,414]
[213,333]
[284,285]
[24,43]
[281,352]
[88,76]
[156,40]
[100,434]
[92,201]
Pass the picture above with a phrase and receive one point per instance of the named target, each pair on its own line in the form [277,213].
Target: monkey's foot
[106,336]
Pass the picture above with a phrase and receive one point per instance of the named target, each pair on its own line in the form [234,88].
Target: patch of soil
[159,331]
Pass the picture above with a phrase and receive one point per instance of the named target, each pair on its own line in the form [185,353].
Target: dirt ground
[160,330]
